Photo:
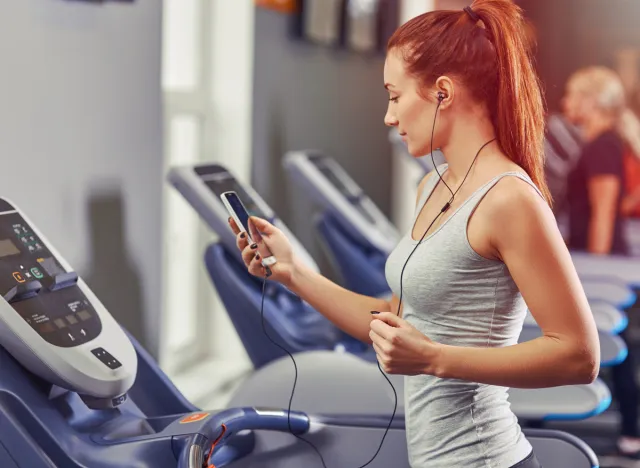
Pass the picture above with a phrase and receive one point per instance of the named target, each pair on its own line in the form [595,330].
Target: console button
[106,358]
[18,277]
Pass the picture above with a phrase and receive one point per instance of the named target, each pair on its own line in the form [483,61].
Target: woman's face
[408,111]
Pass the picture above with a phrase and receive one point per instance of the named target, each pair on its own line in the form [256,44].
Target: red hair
[494,63]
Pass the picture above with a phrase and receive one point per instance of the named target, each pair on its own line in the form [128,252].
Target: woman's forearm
[349,311]
[542,362]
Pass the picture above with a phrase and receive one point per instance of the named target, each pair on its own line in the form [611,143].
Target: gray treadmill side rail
[626,269]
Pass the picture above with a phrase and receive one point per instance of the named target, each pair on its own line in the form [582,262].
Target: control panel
[219,181]
[38,288]
[353,195]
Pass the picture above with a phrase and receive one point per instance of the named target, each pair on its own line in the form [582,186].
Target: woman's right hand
[268,240]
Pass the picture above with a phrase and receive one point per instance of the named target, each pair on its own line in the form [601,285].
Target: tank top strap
[470,205]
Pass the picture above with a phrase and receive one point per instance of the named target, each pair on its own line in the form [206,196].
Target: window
[185,52]
[197,336]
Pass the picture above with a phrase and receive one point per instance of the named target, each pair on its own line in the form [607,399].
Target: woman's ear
[445,91]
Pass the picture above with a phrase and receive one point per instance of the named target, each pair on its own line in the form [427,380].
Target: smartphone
[238,212]
[240,215]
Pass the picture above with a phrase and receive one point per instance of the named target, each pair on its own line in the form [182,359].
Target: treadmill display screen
[333,178]
[224,182]
[335,181]
[61,314]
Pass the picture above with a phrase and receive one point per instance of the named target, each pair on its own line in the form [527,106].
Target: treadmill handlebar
[229,422]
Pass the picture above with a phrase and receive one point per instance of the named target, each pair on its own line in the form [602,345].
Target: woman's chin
[416,151]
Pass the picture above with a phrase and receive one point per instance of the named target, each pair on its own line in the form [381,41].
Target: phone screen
[239,209]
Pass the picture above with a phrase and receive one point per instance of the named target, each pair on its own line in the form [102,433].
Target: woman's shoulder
[514,193]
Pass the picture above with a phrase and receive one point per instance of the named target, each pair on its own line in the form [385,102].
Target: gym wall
[312,96]
[81,141]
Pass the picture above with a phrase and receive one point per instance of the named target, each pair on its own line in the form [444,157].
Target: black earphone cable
[295,367]
[395,394]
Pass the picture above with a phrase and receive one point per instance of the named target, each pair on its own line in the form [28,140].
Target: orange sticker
[195,417]
[283,6]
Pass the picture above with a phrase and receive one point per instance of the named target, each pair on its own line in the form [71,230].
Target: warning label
[195,417]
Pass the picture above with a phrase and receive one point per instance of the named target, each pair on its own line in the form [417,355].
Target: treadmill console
[219,180]
[40,290]
[202,186]
[332,173]
[331,187]
[53,324]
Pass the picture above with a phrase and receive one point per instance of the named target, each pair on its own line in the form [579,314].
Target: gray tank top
[457,297]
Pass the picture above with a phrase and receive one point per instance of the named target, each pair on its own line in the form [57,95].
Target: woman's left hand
[401,348]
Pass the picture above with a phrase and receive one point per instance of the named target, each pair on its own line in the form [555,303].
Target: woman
[595,102]
[463,81]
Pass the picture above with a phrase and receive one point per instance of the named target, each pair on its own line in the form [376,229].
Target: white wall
[80,111]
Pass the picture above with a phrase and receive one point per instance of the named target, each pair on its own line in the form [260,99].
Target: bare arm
[603,197]
[349,311]
[528,241]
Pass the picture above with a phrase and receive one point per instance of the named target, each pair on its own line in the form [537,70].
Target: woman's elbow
[587,366]
[589,372]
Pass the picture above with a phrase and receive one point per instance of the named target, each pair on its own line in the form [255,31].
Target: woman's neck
[465,141]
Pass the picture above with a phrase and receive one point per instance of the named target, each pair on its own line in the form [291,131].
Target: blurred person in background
[595,102]
[630,125]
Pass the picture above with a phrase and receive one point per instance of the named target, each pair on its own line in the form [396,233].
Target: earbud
[441,96]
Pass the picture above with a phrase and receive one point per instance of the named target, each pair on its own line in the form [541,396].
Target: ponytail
[489,48]
[520,113]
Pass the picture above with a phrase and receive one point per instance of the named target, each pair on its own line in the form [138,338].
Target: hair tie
[472,14]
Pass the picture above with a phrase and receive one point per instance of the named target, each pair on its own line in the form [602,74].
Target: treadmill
[288,319]
[324,366]
[78,391]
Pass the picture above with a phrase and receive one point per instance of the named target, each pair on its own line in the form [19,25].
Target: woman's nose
[390,120]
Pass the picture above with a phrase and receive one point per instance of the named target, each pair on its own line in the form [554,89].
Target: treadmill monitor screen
[333,178]
[63,317]
[224,182]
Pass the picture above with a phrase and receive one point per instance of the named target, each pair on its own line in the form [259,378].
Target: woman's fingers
[248,253]
[255,266]
[242,241]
